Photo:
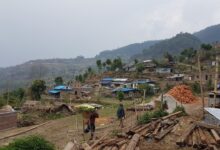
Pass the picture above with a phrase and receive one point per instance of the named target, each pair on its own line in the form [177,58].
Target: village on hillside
[170,103]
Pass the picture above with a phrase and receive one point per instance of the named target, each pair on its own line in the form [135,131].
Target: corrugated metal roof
[54,92]
[214,111]
[62,88]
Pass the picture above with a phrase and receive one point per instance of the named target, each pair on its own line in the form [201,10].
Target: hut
[8,118]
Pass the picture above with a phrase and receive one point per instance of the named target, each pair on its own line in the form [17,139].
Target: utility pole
[201,86]
[216,78]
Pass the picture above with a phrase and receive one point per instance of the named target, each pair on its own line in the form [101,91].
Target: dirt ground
[61,131]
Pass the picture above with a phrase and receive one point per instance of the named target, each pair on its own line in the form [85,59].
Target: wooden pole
[216,78]
[201,87]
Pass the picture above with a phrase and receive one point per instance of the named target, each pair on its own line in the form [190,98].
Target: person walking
[121,115]
[91,123]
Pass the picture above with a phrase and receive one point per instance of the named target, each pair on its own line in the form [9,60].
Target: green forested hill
[173,45]
[210,34]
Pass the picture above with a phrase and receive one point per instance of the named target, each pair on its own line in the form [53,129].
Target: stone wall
[8,120]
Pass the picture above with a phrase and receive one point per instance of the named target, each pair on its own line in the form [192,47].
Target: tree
[206,46]
[135,61]
[99,64]
[169,57]
[104,65]
[148,89]
[117,64]
[80,78]
[108,62]
[37,89]
[140,68]
[120,95]
[19,93]
[58,80]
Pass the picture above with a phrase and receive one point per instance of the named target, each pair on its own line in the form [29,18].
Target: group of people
[93,115]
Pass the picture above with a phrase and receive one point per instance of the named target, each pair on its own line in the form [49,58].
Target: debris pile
[156,129]
[183,94]
[200,136]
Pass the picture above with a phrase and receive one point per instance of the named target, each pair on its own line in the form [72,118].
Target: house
[106,81]
[212,102]
[57,90]
[164,70]
[176,77]
[8,118]
[128,92]
[149,65]
[116,82]
[212,116]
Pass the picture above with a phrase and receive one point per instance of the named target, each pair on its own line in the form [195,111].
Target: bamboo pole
[216,78]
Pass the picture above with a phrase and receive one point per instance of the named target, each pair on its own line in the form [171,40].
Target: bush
[180,108]
[120,95]
[146,118]
[30,143]
[196,87]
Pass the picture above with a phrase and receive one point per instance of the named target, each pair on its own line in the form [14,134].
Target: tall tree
[37,89]
[58,80]
[99,64]
[135,61]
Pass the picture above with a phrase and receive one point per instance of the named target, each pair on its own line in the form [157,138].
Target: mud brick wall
[8,120]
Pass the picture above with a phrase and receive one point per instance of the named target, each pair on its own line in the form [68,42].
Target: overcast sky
[38,29]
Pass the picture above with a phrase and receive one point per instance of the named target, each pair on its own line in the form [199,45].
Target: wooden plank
[211,139]
[189,140]
[97,142]
[123,147]
[208,126]
[133,143]
[171,115]
[182,140]
[157,129]
[194,140]
[202,136]
[164,133]
[215,135]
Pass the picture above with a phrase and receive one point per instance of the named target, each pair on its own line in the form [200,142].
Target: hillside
[22,75]
[210,34]
[127,51]
[173,45]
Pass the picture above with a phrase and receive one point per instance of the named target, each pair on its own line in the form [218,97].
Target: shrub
[180,108]
[196,87]
[120,95]
[30,143]
[146,118]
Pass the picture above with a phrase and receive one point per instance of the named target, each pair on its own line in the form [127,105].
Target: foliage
[169,57]
[196,87]
[99,64]
[116,64]
[209,85]
[146,118]
[187,55]
[37,89]
[168,87]
[30,143]
[148,89]
[58,80]
[180,108]
[135,61]
[206,47]
[140,68]
[120,95]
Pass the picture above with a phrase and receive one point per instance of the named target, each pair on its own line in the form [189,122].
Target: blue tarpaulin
[54,92]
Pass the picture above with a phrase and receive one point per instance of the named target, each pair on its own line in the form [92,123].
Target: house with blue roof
[58,89]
